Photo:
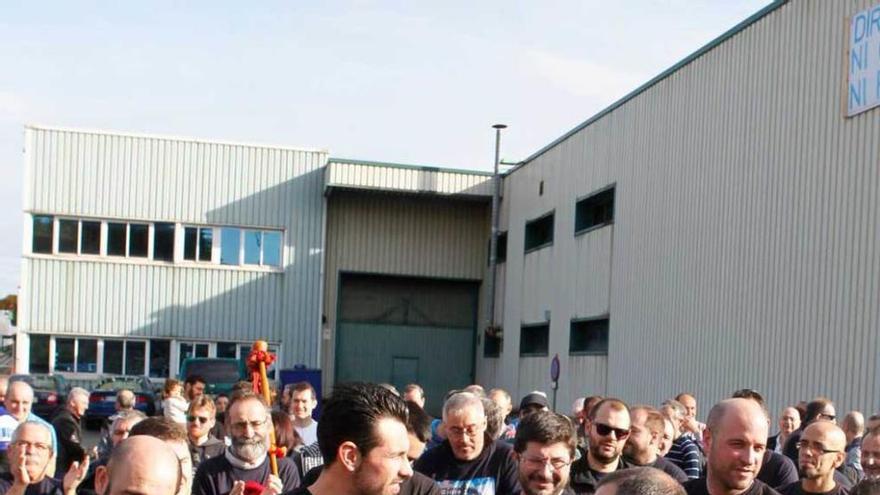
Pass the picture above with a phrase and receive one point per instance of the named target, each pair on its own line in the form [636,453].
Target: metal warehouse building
[715,229]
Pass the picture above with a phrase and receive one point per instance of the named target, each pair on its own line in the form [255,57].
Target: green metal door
[404,330]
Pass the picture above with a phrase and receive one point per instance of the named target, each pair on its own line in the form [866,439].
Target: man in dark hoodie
[200,419]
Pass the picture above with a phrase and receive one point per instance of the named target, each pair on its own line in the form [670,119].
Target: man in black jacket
[67,427]
[608,427]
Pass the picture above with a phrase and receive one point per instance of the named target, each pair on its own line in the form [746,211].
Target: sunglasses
[193,419]
[606,430]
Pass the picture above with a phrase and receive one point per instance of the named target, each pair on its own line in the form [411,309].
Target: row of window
[591,212]
[586,337]
[157,241]
[124,356]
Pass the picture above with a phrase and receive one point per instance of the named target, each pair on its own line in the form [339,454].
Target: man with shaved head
[871,454]
[736,438]
[820,452]
[853,426]
[140,465]
[639,481]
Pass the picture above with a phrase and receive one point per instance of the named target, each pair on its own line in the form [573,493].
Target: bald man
[139,464]
[736,438]
[820,452]
[853,426]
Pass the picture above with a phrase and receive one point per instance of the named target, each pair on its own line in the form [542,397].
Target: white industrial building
[715,229]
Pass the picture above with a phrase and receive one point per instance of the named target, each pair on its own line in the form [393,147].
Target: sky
[412,82]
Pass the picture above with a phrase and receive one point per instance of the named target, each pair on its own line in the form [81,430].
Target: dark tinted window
[534,340]
[39,355]
[138,240]
[215,371]
[594,211]
[42,235]
[160,353]
[190,243]
[91,238]
[163,242]
[491,346]
[589,337]
[135,353]
[68,236]
[87,356]
[226,349]
[501,248]
[64,355]
[116,237]
[113,357]
[539,232]
[206,242]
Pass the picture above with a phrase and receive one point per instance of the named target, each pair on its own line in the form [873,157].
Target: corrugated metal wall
[400,235]
[373,176]
[746,243]
[132,177]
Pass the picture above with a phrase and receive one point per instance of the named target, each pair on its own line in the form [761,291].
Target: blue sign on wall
[863,88]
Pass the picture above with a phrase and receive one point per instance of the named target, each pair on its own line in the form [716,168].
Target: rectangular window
[253,241]
[501,248]
[160,357]
[491,346]
[230,246]
[589,336]
[163,241]
[113,357]
[39,354]
[594,211]
[190,243]
[534,340]
[117,236]
[135,352]
[68,236]
[138,240]
[539,232]
[91,237]
[44,229]
[272,248]
[87,356]
[190,350]
[226,349]
[206,243]
[65,354]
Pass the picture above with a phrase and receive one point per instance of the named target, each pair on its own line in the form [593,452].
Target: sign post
[554,377]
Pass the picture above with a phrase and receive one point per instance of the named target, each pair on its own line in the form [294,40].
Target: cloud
[580,77]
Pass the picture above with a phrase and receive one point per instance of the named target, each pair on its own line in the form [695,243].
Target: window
[594,211]
[91,238]
[253,241]
[230,246]
[87,356]
[491,346]
[160,357]
[65,354]
[534,340]
[272,248]
[539,232]
[589,336]
[191,350]
[117,237]
[501,248]
[39,354]
[226,350]
[42,240]
[113,356]
[197,243]
[138,240]
[68,236]
[163,241]
[135,351]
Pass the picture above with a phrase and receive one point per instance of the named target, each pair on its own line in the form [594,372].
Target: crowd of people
[373,439]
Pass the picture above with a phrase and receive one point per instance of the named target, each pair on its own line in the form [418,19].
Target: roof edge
[426,168]
[741,26]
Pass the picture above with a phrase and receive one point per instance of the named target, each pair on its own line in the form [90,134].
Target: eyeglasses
[606,430]
[241,425]
[815,448]
[200,419]
[829,417]
[557,463]
[470,430]
[37,446]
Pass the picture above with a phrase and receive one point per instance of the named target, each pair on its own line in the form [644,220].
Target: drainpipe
[493,243]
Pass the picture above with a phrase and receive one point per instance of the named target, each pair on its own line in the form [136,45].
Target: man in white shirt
[302,400]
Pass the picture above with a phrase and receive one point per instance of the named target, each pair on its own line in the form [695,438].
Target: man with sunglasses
[469,461]
[545,446]
[200,419]
[608,427]
[820,452]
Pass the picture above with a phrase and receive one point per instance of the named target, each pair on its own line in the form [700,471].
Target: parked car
[220,374]
[102,399]
[50,393]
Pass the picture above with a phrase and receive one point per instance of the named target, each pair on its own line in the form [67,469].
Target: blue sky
[407,82]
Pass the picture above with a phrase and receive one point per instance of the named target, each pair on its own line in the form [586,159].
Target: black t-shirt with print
[493,471]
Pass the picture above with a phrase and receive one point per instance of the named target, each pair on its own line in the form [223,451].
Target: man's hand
[75,475]
[237,488]
[274,485]
[19,470]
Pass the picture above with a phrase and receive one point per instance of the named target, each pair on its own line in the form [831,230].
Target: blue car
[102,400]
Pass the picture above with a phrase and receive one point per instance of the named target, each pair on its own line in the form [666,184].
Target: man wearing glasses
[30,453]
[200,419]
[248,424]
[544,446]
[818,408]
[608,427]
[820,452]
[469,461]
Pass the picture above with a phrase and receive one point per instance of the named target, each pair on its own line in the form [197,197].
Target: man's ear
[349,456]
[707,439]
[102,480]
